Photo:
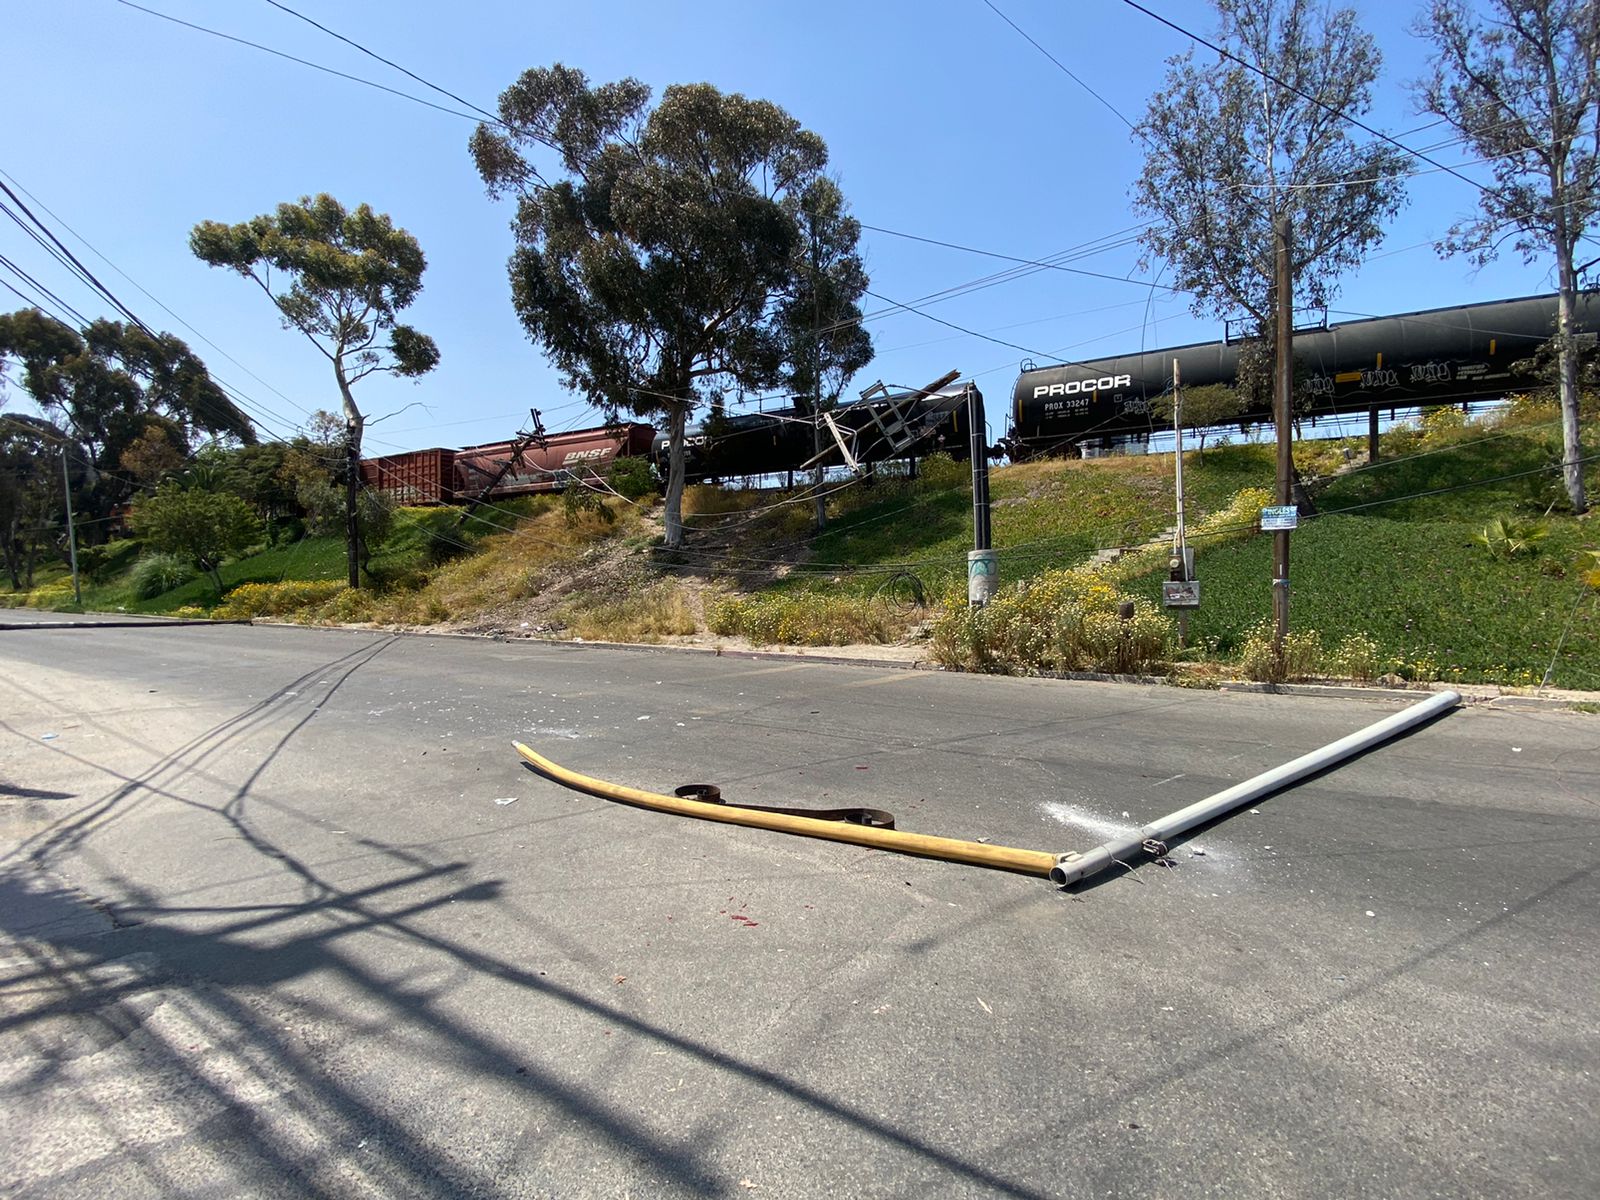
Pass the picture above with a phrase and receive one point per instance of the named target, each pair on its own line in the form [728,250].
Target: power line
[387,62]
[952,325]
[1043,265]
[159,304]
[303,62]
[82,270]
[1061,65]
[1289,87]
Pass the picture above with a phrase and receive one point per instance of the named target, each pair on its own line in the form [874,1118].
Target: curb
[1475,696]
[153,622]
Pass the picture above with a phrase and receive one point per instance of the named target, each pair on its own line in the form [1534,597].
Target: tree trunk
[1571,444]
[13,551]
[677,421]
[355,423]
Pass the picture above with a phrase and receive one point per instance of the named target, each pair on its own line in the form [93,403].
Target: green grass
[1043,515]
[1434,601]
[1401,565]
[1390,554]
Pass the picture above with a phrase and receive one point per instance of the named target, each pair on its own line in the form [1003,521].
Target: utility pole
[72,533]
[1177,454]
[982,569]
[816,384]
[352,482]
[1283,388]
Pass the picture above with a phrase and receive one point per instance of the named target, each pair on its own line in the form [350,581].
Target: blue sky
[942,121]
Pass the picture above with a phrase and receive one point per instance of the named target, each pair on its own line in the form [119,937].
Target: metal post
[982,569]
[1372,434]
[72,533]
[1281,402]
[1152,839]
[1177,454]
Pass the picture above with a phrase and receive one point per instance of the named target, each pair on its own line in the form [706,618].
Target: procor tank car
[1432,357]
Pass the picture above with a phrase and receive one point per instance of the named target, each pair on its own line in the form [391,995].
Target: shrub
[578,498]
[655,612]
[1508,537]
[47,595]
[709,500]
[1302,654]
[277,599]
[1060,621]
[347,606]
[159,572]
[1442,426]
[632,478]
[1357,657]
[803,619]
[204,527]
[939,472]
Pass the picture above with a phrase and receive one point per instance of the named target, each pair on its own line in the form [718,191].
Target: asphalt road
[284,915]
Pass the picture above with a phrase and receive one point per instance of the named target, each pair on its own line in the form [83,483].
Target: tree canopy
[343,277]
[112,383]
[204,527]
[662,254]
[1230,151]
[1522,85]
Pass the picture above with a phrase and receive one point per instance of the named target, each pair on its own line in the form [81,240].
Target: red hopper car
[453,476]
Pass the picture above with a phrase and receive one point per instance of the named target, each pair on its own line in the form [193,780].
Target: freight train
[1418,359]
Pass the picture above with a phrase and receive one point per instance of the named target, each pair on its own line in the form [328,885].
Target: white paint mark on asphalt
[1083,818]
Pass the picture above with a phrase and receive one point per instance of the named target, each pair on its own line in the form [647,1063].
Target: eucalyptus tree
[343,278]
[111,384]
[1239,144]
[657,248]
[1521,85]
[819,315]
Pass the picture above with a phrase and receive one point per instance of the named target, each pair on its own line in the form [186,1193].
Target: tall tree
[1522,86]
[1230,152]
[653,266]
[819,318]
[31,480]
[111,384]
[343,279]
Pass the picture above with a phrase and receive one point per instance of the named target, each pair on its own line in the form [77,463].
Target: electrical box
[1181,566]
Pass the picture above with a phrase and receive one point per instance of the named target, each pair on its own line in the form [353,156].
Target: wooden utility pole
[816,385]
[72,533]
[352,516]
[1283,390]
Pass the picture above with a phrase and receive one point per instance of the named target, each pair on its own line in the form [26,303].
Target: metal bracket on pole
[841,438]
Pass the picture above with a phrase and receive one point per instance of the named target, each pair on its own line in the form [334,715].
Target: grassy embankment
[1388,575]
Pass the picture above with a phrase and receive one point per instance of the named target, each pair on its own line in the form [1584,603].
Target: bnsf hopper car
[418,477]
[449,476]
[547,467]
[1438,356]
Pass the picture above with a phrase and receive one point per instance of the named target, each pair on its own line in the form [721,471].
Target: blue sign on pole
[1280,516]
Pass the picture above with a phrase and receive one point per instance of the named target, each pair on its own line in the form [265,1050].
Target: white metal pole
[1153,837]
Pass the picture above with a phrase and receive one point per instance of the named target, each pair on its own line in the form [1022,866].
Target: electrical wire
[228,37]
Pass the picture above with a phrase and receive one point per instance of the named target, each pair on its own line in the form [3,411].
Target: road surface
[284,915]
